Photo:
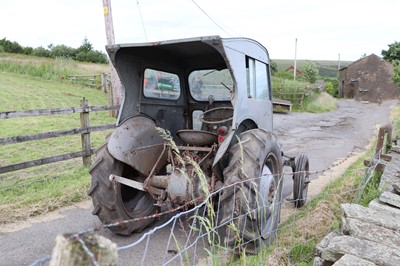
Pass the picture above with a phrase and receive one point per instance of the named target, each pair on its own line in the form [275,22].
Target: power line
[205,13]
[141,18]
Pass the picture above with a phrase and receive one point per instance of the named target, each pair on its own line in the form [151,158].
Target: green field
[36,190]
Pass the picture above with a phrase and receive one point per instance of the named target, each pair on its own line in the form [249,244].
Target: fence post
[104,82]
[84,249]
[111,112]
[85,136]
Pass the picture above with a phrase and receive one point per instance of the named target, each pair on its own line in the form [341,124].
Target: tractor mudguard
[137,143]
[223,147]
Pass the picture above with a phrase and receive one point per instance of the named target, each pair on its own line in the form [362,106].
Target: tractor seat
[197,137]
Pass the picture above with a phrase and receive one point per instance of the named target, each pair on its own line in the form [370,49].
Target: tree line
[393,56]
[84,53]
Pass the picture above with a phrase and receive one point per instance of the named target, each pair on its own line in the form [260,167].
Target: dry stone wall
[368,235]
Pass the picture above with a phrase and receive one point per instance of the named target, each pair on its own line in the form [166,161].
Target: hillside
[30,83]
[327,68]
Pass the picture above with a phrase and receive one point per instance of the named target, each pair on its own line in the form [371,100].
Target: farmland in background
[327,68]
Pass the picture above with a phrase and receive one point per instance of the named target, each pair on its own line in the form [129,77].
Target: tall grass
[302,97]
[322,103]
[50,69]
[395,118]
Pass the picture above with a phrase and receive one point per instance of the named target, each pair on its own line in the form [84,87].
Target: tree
[393,53]
[85,47]
[310,72]
[396,71]
[274,67]
[62,51]
[27,50]
[92,56]
[11,47]
[41,52]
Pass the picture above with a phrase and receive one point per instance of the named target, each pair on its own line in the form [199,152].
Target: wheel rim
[265,200]
[268,196]
[136,203]
[304,184]
[301,180]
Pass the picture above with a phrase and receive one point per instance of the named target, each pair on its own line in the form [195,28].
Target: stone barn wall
[368,79]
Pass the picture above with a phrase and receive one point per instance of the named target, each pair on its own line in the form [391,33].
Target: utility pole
[295,58]
[116,92]
[338,68]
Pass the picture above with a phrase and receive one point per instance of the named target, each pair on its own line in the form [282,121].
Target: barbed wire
[196,231]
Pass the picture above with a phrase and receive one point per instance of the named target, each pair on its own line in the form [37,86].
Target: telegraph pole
[116,92]
[295,58]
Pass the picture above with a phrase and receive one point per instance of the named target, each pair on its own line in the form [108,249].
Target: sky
[323,29]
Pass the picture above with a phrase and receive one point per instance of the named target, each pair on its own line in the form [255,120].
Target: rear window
[161,85]
[217,84]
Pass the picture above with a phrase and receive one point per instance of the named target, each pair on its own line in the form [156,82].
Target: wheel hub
[266,201]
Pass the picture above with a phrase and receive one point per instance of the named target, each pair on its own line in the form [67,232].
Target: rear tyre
[249,212]
[301,180]
[114,202]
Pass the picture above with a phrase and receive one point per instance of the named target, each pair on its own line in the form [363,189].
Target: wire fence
[191,235]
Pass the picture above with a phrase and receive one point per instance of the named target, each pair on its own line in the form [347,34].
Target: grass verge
[45,189]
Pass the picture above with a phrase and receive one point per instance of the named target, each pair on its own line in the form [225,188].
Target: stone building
[368,79]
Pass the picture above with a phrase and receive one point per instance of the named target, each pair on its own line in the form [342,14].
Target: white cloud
[323,28]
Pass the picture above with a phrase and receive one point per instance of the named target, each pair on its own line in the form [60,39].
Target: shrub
[92,57]
[62,51]
[333,91]
[396,72]
[28,50]
[41,52]
[310,72]
[11,47]
[284,75]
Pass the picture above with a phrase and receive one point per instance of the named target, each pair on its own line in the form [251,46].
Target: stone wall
[368,79]
[368,235]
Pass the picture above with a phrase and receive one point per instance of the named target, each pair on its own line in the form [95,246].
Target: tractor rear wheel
[115,202]
[250,211]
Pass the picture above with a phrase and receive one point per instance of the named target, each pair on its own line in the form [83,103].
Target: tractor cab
[200,84]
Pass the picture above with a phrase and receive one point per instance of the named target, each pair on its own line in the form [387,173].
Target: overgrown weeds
[49,69]
[322,103]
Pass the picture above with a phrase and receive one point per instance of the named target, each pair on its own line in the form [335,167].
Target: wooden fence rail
[102,80]
[295,95]
[84,131]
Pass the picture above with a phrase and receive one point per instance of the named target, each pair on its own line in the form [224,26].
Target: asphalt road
[325,138]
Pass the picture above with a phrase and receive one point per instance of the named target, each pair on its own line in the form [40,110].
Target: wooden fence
[102,81]
[295,95]
[84,131]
